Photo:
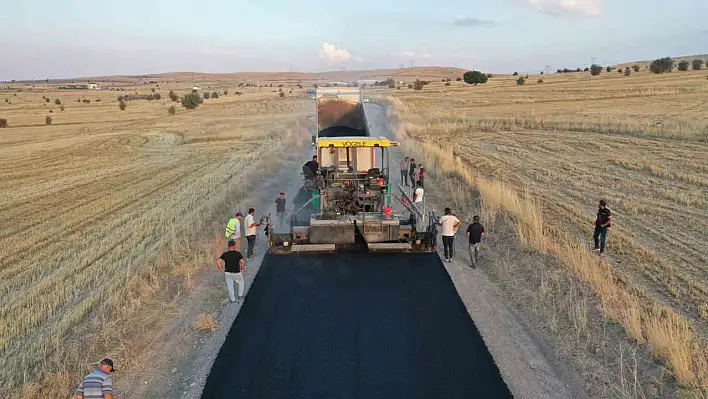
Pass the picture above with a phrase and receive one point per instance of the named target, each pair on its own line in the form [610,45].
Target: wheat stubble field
[103,209]
[640,142]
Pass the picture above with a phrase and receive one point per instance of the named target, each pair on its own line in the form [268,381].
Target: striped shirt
[95,385]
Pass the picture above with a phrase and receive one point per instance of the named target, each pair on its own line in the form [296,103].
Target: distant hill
[643,64]
[404,74]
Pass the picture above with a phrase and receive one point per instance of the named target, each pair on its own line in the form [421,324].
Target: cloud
[333,55]
[426,55]
[474,22]
[404,54]
[561,7]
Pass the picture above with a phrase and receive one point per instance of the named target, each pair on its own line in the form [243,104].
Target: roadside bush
[191,100]
[98,100]
[206,95]
[609,69]
[662,65]
[410,86]
[172,110]
[281,94]
[515,74]
[697,65]
[238,93]
[3,123]
[458,79]
[475,77]
[635,67]
[584,70]
[88,100]
[46,100]
[214,95]
[418,84]
[48,120]
[595,69]
[57,101]
[540,81]
[447,83]
[173,96]
[78,100]
[121,105]
[683,66]
[61,107]
[153,89]
[7,100]
[520,81]
[226,92]
[627,71]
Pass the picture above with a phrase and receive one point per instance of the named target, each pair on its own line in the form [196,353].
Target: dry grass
[544,154]
[108,215]
[205,322]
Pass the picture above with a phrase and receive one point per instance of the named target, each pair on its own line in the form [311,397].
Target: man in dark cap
[602,223]
[98,384]
[232,264]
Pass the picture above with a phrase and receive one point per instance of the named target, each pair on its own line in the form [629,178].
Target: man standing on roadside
[233,230]
[232,264]
[449,224]
[411,171]
[251,228]
[280,210]
[404,171]
[98,384]
[475,232]
[602,223]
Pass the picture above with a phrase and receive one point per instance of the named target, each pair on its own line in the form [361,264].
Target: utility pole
[592,60]
[411,63]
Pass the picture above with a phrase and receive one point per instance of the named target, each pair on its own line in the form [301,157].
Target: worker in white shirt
[418,193]
[449,224]
[251,228]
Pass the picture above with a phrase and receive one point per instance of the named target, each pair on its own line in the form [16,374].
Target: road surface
[353,325]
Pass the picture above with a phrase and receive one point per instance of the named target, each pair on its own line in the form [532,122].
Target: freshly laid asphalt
[354,325]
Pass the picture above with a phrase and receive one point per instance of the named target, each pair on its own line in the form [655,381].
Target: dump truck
[349,202]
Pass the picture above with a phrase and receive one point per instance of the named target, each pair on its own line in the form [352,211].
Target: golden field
[103,210]
[544,153]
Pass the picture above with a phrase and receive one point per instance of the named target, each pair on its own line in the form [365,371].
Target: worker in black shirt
[310,168]
[232,264]
[475,232]
[602,223]
[280,210]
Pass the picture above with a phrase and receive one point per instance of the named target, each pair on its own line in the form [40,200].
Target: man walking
[280,210]
[233,230]
[251,226]
[602,223]
[475,232]
[404,171]
[99,383]
[411,171]
[232,264]
[449,224]
[418,193]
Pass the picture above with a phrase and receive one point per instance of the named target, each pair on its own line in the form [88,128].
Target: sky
[80,38]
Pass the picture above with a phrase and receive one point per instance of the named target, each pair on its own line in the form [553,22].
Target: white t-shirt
[448,224]
[250,231]
[418,193]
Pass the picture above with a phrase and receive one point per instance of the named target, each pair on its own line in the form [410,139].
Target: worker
[280,209]
[311,167]
[411,171]
[232,264]
[405,164]
[421,173]
[233,230]
[99,383]
[251,225]
[602,223]
[418,193]
[449,224]
[475,232]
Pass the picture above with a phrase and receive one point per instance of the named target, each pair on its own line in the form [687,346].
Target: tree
[635,67]
[595,69]
[520,81]
[609,69]
[447,83]
[627,71]
[489,75]
[281,94]
[584,70]
[191,100]
[515,74]
[172,110]
[662,65]
[57,101]
[214,95]
[206,95]
[48,120]
[475,77]
[226,92]
[46,100]
[540,81]
[173,96]
[458,79]
[418,84]
[697,65]
[683,66]
[3,123]
[121,105]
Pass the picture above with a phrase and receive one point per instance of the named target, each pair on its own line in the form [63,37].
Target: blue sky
[71,38]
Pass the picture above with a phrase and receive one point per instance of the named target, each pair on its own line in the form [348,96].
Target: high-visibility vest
[232,226]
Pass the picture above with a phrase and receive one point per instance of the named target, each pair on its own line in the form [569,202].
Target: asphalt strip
[354,325]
